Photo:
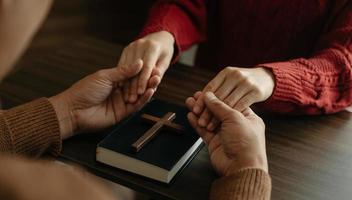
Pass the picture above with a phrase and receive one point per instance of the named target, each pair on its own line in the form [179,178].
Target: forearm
[322,82]
[245,184]
[30,129]
[318,85]
[19,20]
[27,179]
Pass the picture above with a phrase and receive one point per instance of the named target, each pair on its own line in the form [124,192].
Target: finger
[145,98]
[205,135]
[119,103]
[246,101]
[126,91]
[150,58]
[222,92]
[154,82]
[213,124]
[138,54]
[122,59]
[123,72]
[162,65]
[219,109]
[236,95]
[212,86]
[190,101]
[133,90]
[197,94]
[204,118]
[225,89]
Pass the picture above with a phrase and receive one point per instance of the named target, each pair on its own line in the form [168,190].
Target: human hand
[95,102]
[238,88]
[156,51]
[239,142]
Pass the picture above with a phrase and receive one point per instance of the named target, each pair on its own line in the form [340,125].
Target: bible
[157,142]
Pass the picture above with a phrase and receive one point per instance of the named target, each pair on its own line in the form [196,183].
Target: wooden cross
[165,121]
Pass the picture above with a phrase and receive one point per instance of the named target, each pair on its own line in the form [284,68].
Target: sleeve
[243,185]
[321,83]
[184,19]
[30,129]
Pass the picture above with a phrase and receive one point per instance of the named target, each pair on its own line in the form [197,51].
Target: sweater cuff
[32,129]
[291,87]
[245,184]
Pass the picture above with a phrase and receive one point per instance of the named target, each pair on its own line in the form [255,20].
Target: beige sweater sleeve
[30,129]
[246,184]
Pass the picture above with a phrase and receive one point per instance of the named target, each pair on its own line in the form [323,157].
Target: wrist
[64,115]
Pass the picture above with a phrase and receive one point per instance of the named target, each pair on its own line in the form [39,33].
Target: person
[28,131]
[295,56]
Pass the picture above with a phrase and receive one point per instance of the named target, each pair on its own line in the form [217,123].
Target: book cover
[163,156]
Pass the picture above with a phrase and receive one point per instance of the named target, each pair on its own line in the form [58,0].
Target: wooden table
[309,157]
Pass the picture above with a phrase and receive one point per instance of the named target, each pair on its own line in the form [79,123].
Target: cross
[165,121]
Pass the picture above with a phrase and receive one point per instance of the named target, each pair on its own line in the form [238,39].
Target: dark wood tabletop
[310,157]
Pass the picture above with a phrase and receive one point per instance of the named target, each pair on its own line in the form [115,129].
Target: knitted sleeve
[321,83]
[244,185]
[30,129]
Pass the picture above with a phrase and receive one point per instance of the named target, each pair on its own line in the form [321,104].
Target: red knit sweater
[312,65]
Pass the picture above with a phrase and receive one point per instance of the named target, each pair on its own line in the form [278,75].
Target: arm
[30,129]
[19,20]
[93,103]
[321,83]
[245,184]
[41,180]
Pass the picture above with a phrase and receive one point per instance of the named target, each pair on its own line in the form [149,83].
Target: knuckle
[209,87]
[100,73]
[139,42]
[228,69]
[249,83]
[152,43]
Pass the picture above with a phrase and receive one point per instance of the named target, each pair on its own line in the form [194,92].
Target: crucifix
[164,122]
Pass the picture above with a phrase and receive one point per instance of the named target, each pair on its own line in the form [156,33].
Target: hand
[156,51]
[95,102]
[239,142]
[237,87]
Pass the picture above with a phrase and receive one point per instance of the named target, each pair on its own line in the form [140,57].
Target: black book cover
[165,149]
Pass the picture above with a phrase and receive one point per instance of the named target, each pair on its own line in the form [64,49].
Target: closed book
[163,156]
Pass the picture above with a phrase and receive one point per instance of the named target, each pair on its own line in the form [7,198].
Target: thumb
[219,109]
[122,73]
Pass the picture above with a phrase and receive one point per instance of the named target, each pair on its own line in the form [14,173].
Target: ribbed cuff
[244,185]
[31,129]
[295,88]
